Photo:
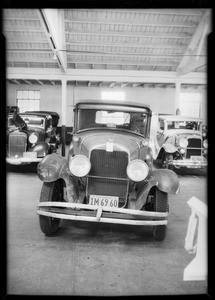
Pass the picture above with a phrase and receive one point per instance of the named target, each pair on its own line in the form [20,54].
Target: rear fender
[165,180]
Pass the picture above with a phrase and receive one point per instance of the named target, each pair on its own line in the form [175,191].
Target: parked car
[31,136]
[179,142]
[108,175]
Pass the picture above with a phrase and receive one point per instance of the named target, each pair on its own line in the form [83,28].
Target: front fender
[165,180]
[50,167]
[169,148]
[41,149]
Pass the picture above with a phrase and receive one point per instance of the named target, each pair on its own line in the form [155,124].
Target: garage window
[28,100]
[190,104]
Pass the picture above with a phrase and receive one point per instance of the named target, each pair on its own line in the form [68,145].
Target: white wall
[161,100]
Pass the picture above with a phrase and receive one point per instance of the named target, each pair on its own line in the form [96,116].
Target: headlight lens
[205,144]
[137,170]
[79,165]
[33,138]
[183,142]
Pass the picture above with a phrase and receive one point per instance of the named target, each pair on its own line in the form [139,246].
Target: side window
[161,124]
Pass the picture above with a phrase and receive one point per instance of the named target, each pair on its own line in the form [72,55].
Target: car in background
[108,175]
[31,136]
[179,142]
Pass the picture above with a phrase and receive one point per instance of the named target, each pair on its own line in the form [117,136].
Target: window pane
[25,95]
[19,94]
[31,94]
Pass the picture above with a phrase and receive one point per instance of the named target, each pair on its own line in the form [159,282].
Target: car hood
[110,141]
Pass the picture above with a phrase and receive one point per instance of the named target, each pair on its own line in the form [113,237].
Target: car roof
[31,113]
[179,118]
[52,113]
[114,103]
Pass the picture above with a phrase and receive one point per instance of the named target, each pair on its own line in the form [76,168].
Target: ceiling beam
[28,82]
[156,45]
[189,12]
[112,84]
[191,49]
[169,35]
[40,82]
[52,21]
[105,75]
[130,22]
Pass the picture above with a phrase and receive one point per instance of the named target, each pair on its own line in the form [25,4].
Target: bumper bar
[92,213]
[188,163]
[22,160]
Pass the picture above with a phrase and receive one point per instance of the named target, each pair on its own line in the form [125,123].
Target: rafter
[52,21]
[187,62]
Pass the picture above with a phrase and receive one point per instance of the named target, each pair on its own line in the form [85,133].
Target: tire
[166,158]
[160,204]
[51,191]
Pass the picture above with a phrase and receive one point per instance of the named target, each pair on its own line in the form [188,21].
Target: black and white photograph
[106,151]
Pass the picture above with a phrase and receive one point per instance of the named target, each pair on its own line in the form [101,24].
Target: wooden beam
[192,66]
[112,84]
[28,82]
[132,22]
[191,48]
[52,21]
[90,32]
[15,81]
[40,82]
[105,75]
[155,45]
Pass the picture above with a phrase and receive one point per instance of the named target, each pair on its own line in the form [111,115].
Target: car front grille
[194,147]
[108,175]
[17,143]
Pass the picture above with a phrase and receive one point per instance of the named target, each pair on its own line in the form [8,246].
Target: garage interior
[150,56]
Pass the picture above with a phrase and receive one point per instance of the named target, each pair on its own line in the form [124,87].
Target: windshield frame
[112,108]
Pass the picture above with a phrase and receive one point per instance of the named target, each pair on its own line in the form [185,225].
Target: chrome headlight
[79,165]
[205,144]
[137,170]
[183,142]
[33,138]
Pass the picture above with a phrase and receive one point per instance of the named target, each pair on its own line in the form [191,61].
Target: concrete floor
[96,259]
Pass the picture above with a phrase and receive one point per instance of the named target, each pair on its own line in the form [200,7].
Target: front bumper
[189,163]
[22,160]
[92,213]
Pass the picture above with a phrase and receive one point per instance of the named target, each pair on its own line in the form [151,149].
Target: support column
[63,115]
[177,94]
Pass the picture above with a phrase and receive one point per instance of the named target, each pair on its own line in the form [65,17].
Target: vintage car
[31,136]
[108,175]
[179,142]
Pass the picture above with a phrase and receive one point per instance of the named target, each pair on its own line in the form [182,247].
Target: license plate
[196,158]
[104,201]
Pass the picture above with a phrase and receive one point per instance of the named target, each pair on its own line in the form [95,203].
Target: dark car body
[108,175]
[180,143]
[30,136]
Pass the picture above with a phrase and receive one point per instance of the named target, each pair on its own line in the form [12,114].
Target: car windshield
[184,125]
[34,121]
[97,118]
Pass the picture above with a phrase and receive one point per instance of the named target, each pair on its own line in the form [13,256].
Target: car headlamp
[183,142]
[205,144]
[137,170]
[182,151]
[33,138]
[79,165]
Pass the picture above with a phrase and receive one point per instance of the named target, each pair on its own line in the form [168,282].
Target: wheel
[51,191]
[166,158]
[159,204]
